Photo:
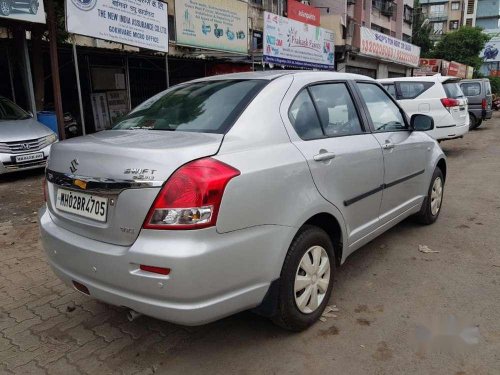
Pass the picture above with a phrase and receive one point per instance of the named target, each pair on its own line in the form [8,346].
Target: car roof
[273,74]
[434,78]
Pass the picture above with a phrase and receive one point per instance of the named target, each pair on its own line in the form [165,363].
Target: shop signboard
[428,67]
[470,72]
[294,43]
[491,49]
[220,25]
[138,23]
[303,13]
[28,11]
[388,48]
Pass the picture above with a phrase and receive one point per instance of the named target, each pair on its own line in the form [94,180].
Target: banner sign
[138,23]
[386,47]
[29,11]
[490,51]
[220,25]
[303,13]
[294,43]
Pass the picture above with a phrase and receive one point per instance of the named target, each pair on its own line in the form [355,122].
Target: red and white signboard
[388,48]
[303,13]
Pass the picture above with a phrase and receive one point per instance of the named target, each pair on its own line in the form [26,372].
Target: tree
[421,30]
[463,46]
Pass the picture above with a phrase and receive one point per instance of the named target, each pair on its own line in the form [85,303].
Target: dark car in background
[478,93]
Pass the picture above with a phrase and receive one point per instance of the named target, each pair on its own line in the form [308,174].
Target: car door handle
[324,156]
[388,146]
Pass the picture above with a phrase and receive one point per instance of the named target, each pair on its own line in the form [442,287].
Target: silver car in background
[24,142]
[236,192]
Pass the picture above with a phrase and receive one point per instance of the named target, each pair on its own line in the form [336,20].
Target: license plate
[85,205]
[29,157]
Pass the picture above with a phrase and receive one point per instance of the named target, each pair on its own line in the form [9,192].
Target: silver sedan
[24,142]
[237,192]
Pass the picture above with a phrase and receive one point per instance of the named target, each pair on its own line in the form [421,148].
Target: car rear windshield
[453,90]
[10,111]
[201,107]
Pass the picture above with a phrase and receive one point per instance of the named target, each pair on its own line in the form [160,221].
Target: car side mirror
[421,123]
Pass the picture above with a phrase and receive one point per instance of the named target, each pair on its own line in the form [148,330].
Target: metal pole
[28,77]
[79,89]
[167,72]
[54,66]
[11,76]
[128,84]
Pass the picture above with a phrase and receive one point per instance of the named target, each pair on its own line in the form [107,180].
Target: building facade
[443,15]
[488,14]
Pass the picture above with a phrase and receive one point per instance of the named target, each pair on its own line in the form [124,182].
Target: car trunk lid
[125,169]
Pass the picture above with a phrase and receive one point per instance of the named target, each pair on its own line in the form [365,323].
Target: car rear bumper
[212,275]
[444,132]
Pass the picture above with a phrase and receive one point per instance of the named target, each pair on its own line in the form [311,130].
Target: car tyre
[306,280]
[472,121]
[478,123]
[34,7]
[5,8]
[431,207]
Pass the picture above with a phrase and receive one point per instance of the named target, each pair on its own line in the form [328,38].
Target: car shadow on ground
[22,175]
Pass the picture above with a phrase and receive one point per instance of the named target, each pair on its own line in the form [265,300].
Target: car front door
[344,158]
[405,152]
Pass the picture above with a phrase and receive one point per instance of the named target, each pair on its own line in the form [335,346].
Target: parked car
[479,97]
[6,6]
[24,142]
[235,192]
[437,96]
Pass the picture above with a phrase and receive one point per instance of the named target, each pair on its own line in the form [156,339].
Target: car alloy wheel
[436,196]
[312,279]
[4,7]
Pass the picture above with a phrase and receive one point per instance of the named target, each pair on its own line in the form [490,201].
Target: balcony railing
[437,17]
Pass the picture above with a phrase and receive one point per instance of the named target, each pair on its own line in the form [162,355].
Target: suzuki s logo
[25,146]
[73,166]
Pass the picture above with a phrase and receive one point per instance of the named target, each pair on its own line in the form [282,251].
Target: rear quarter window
[471,88]
[452,90]
[410,90]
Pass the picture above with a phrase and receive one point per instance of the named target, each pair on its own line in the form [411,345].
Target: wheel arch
[441,164]
[331,226]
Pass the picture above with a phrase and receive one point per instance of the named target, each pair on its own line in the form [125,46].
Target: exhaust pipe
[133,315]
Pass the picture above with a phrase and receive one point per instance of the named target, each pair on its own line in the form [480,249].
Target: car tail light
[191,197]
[449,102]
[484,104]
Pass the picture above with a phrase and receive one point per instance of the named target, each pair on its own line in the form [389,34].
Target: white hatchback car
[437,96]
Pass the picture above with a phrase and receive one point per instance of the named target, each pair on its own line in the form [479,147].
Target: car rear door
[404,151]
[344,158]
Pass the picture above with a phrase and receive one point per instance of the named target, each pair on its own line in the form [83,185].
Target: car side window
[410,90]
[336,109]
[391,89]
[304,118]
[385,114]
[471,88]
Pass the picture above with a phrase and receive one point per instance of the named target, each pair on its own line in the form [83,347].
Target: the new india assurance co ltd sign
[138,23]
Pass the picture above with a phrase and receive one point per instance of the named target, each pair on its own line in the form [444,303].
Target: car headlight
[51,138]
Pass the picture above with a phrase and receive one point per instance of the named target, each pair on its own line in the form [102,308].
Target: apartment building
[350,20]
[444,15]
[488,14]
